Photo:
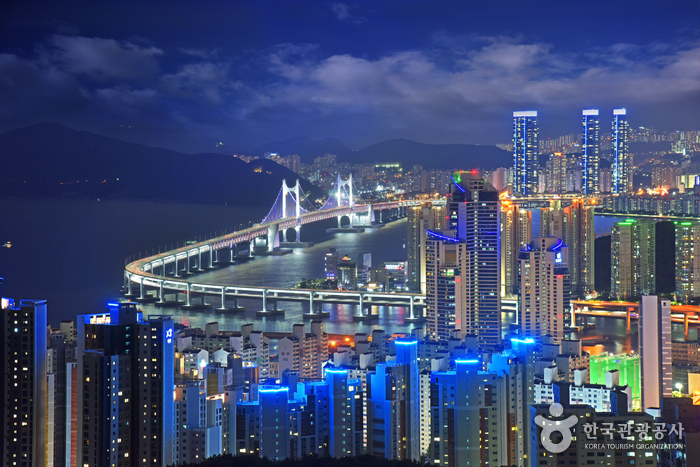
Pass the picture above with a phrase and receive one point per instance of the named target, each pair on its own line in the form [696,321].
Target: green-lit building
[627,365]
[687,260]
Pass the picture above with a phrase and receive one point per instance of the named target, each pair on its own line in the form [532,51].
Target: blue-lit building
[126,373]
[525,152]
[590,145]
[622,161]
[448,304]
[393,406]
[473,207]
[313,417]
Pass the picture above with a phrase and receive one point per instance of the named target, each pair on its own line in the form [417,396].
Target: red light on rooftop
[475,172]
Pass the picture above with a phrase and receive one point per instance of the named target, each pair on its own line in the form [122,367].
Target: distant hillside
[433,156]
[54,160]
[408,153]
[307,148]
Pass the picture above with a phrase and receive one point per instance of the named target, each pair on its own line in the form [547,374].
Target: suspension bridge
[172,273]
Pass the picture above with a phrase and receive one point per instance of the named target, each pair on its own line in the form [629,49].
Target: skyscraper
[622,162]
[420,219]
[590,144]
[687,260]
[125,368]
[23,409]
[544,289]
[516,233]
[633,259]
[393,406]
[655,350]
[448,301]
[525,152]
[474,212]
[574,225]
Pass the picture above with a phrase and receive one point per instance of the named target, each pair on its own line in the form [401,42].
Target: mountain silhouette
[50,159]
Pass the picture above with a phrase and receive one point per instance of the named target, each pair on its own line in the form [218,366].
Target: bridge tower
[297,207]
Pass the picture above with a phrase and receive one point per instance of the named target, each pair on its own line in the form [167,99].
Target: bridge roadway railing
[143,271]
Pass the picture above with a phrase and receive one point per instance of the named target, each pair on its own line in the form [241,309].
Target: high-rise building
[421,219]
[622,161]
[393,406]
[347,273]
[474,212]
[687,260]
[525,152]
[543,302]
[516,233]
[449,304]
[23,409]
[469,416]
[590,144]
[555,177]
[331,265]
[655,350]
[633,259]
[574,225]
[125,369]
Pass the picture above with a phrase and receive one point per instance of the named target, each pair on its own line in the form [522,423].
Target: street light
[679,386]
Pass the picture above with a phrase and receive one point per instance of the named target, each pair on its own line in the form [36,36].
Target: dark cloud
[461,89]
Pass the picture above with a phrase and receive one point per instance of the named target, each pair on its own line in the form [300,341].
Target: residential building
[544,294]
[633,259]
[687,260]
[473,208]
[24,390]
[590,144]
[574,225]
[525,152]
[622,160]
[516,233]
[421,219]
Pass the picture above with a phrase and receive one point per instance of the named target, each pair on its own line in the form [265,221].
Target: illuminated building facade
[543,301]
[421,219]
[622,161]
[633,259]
[525,152]
[687,260]
[516,233]
[655,350]
[469,415]
[473,208]
[574,225]
[448,299]
[393,406]
[126,370]
[590,144]
[23,411]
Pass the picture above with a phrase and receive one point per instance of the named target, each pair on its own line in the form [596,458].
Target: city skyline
[244,74]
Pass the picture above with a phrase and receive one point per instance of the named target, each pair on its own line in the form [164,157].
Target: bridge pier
[176,271]
[223,306]
[628,319]
[685,326]
[412,318]
[267,312]
[128,292]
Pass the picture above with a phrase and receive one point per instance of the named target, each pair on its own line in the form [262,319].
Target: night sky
[187,75]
